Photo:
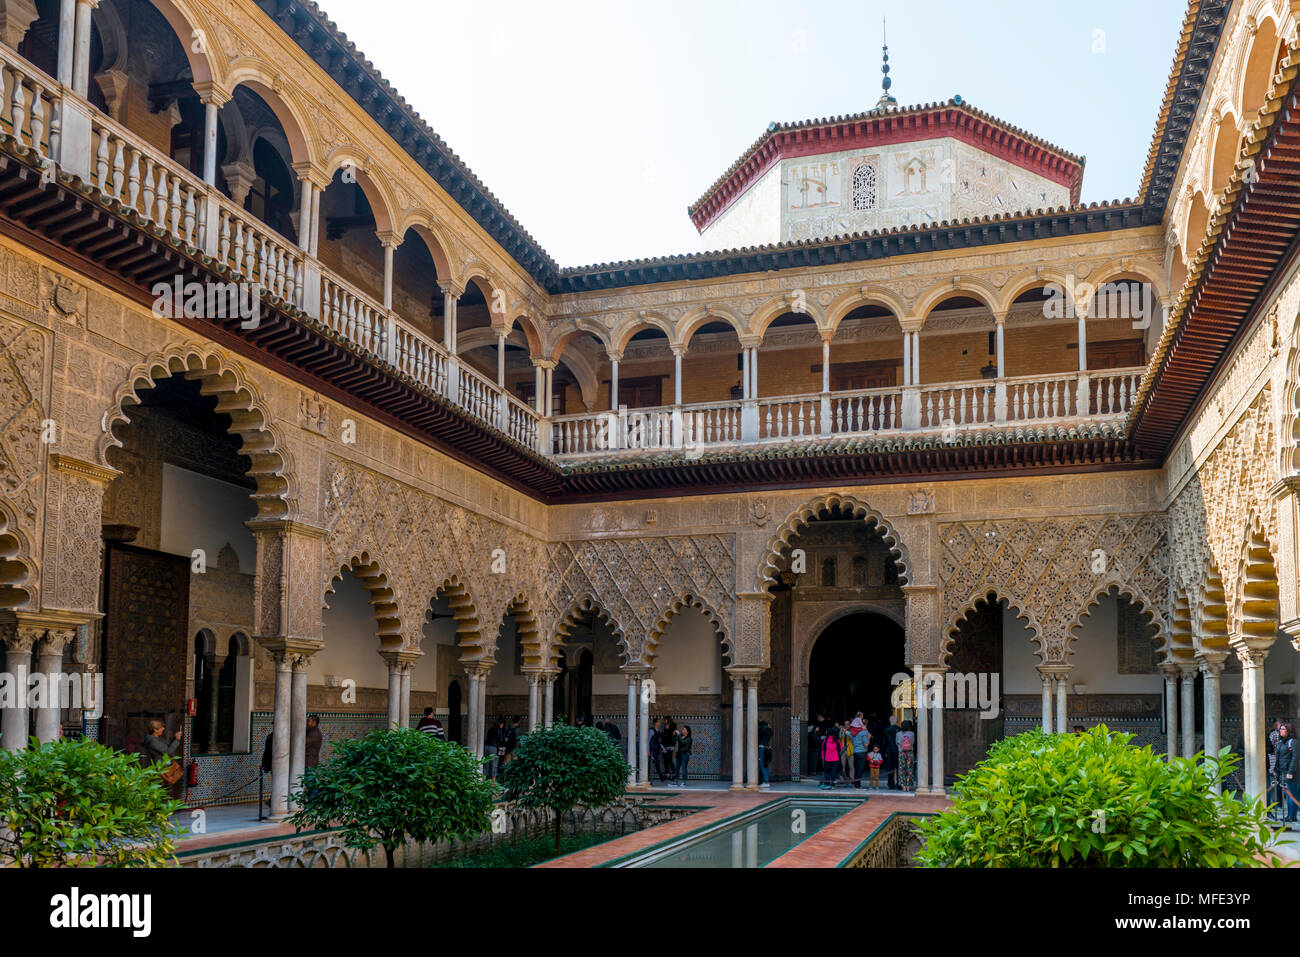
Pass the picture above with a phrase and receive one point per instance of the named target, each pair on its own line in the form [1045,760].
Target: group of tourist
[850,752]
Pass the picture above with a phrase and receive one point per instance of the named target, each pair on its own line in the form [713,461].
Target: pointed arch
[982,598]
[383,596]
[17,567]
[473,644]
[527,631]
[581,607]
[770,560]
[238,397]
[1113,583]
[1255,613]
[682,601]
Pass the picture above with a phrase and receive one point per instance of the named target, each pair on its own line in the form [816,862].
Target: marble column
[1188,708]
[1062,716]
[548,701]
[67,40]
[533,681]
[922,732]
[49,662]
[297,721]
[1047,704]
[81,54]
[18,642]
[471,732]
[395,690]
[210,110]
[280,734]
[1171,709]
[1252,706]
[404,713]
[631,728]
[751,732]
[737,733]
[1212,668]
[936,746]
[643,733]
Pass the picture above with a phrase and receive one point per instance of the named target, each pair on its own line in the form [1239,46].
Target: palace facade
[295,417]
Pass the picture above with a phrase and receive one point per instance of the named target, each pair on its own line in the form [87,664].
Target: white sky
[598,123]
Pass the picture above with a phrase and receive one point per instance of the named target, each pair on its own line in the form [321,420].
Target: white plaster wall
[206,513]
[689,661]
[752,220]
[351,648]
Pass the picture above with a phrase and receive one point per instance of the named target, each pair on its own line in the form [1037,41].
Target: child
[875,759]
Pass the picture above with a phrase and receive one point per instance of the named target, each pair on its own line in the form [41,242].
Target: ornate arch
[845,303]
[1255,612]
[701,316]
[383,596]
[808,641]
[622,333]
[770,559]
[435,239]
[473,644]
[970,288]
[1111,582]
[528,632]
[17,566]
[263,80]
[983,597]
[238,397]
[1037,278]
[566,622]
[687,599]
[779,306]
[373,183]
[190,27]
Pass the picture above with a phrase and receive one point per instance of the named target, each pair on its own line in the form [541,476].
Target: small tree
[1092,800]
[82,804]
[393,786]
[561,767]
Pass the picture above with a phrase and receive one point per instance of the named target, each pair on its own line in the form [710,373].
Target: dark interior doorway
[853,663]
[454,732]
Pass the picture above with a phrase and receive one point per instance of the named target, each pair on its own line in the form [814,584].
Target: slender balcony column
[826,364]
[907,358]
[677,376]
[1000,386]
[1001,340]
[824,419]
[81,56]
[1083,397]
[501,360]
[737,733]
[306,223]
[1170,672]
[916,357]
[550,386]
[745,379]
[49,662]
[1212,668]
[449,297]
[539,380]
[753,373]
[315,218]
[1188,707]
[390,244]
[210,142]
[613,381]
[67,40]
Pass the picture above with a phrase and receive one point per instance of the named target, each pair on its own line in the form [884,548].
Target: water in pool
[754,840]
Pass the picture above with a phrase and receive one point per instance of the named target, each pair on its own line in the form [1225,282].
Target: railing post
[502,410]
[390,339]
[76,150]
[211,222]
[824,419]
[911,411]
[749,420]
[1084,407]
[453,379]
[1000,402]
[311,288]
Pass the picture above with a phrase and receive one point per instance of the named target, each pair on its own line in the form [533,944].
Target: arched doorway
[853,663]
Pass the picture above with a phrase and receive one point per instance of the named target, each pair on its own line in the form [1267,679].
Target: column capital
[614,355]
[764,596]
[911,324]
[212,94]
[1211,663]
[750,341]
[1000,317]
[103,474]
[309,172]
[1250,655]
[451,288]
[1188,670]
[478,668]
[1169,669]
[542,362]
[55,640]
[286,646]
[1055,671]
[388,238]
[742,673]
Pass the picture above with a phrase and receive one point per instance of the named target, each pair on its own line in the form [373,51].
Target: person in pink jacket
[830,751]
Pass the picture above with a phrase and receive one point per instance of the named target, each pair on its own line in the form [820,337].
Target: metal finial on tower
[885,83]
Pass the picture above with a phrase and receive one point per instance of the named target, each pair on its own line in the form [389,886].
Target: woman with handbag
[158,752]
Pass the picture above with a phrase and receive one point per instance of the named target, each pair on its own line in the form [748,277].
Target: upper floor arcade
[210,162]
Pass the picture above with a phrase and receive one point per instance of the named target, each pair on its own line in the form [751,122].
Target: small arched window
[864,187]
[828,572]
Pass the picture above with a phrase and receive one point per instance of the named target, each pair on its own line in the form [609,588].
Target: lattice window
[864,187]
